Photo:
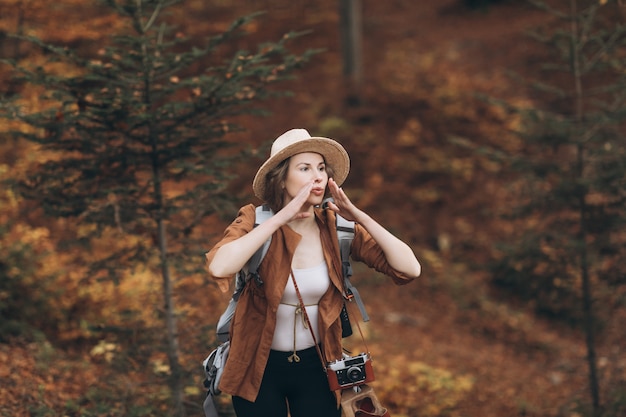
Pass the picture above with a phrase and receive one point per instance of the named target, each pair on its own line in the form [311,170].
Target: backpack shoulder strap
[345,235]
[262,213]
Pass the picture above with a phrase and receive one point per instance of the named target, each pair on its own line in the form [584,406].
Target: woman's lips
[317,191]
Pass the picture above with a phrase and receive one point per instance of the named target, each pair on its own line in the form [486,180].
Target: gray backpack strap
[210,410]
[262,213]
[345,235]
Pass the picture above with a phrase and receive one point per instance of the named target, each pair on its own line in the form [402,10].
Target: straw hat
[297,141]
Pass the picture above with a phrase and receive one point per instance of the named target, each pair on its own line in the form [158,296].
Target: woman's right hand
[297,208]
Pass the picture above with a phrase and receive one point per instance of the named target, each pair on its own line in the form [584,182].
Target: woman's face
[305,168]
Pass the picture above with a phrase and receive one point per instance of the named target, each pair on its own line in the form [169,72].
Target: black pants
[301,387]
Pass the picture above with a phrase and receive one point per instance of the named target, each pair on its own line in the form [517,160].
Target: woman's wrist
[362,218]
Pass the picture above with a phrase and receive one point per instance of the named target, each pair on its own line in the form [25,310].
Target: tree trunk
[584,267]
[351,41]
[175,380]
[589,331]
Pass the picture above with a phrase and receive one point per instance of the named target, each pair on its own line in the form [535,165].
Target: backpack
[213,365]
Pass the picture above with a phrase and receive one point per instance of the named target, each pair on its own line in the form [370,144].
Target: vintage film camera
[350,371]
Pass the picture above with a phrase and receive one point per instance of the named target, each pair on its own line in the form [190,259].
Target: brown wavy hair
[275,191]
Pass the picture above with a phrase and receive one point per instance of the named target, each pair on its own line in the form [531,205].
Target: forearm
[398,254]
[230,258]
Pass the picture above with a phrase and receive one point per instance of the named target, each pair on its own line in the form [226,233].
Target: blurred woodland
[489,135]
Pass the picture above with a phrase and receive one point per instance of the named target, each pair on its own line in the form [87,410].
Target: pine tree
[571,207]
[136,140]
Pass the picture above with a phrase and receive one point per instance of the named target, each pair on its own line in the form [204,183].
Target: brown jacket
[253,326]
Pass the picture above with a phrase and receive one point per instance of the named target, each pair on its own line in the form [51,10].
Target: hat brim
[334,155]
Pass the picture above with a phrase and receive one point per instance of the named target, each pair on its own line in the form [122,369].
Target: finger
[334,188]
[339,195]
[305,191]
[302,215]
[332,184]
[333,206]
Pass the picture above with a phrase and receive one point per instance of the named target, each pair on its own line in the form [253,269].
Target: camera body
[350,372]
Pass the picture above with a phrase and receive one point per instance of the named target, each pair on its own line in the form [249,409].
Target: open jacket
[252,327]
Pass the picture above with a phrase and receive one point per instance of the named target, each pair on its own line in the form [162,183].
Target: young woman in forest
[274,365]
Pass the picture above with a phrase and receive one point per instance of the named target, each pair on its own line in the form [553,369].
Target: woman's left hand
[399,255]
[342,203]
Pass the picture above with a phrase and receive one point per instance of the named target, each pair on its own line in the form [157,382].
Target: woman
[274,366]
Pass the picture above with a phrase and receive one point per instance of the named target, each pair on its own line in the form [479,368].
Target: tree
[351,44]
[134,141]
[571,212]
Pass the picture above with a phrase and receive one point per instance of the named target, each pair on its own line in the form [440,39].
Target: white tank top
[290,327]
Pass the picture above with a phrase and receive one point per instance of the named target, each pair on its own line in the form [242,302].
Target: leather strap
[308,322]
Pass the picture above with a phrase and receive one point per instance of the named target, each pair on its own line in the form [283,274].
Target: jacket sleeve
[365,249]
[243,223]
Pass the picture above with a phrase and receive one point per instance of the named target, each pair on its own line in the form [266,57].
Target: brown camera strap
[302,307]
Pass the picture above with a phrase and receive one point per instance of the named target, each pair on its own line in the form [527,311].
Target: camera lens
[355,374]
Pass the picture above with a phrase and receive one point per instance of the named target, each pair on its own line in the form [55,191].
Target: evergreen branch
[153,18]
[542,5]
[603,52]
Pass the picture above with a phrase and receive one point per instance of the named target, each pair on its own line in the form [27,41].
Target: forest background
[451,150]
